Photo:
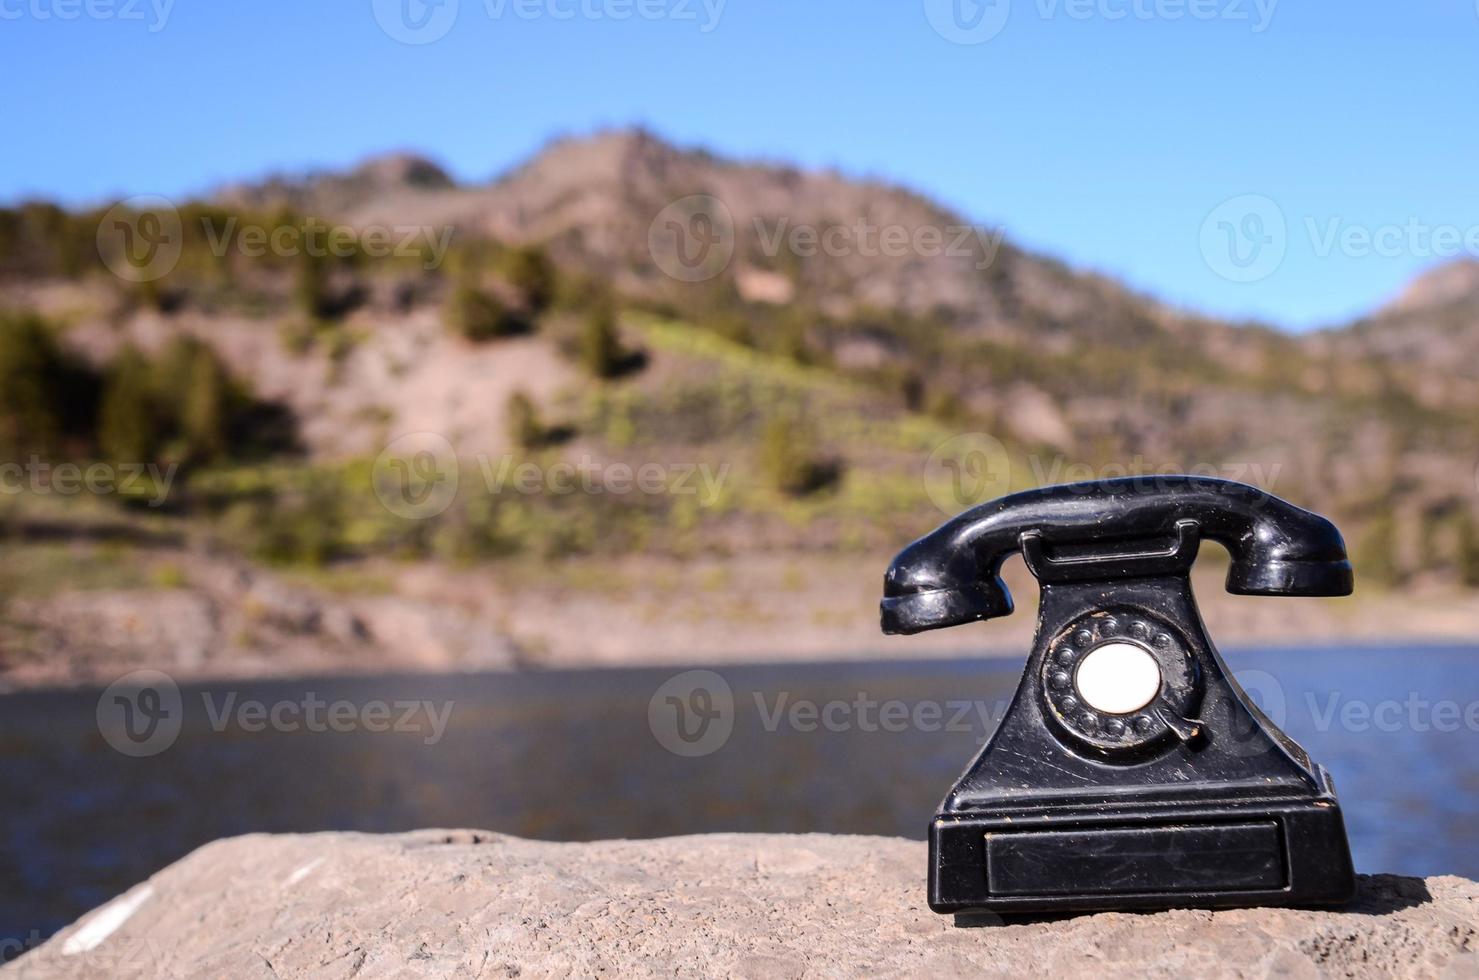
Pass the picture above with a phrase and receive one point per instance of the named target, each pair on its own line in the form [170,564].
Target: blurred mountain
[326,192]
[1429,334]
[861,321]
[1441,286]
[1004,331]
[593,200]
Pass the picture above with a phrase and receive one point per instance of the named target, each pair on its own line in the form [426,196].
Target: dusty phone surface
[1131,770]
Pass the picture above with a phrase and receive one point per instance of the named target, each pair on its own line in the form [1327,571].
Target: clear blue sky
[1102,131]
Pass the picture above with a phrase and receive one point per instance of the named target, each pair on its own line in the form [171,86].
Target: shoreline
[210,619]
[996,656]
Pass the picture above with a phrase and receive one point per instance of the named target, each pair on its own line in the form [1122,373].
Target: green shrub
[1375,554]
[790,459]
[32,379]
[128,421]
[600,345]
[301,526]
[311,286]
[530,271]
[205,407]
[1468,550]
[789,340]
[203,415]
[525,429]
[479,316]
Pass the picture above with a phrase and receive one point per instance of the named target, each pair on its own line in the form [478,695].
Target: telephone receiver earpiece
[1131,770]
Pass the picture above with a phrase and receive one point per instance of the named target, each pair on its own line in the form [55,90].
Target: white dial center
[1118,678]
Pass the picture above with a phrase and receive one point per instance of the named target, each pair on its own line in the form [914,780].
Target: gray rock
[477,904]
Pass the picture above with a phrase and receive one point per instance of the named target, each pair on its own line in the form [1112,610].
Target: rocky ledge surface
[477,904]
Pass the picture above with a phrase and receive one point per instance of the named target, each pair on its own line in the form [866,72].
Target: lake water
[850,748]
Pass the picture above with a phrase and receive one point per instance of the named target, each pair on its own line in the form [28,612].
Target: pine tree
[1468,550]
[31,378]
[203,410]
[530,271]
[524,427]
[128,430]
[1375,555]
[479,316]
[311,285]
[600,346]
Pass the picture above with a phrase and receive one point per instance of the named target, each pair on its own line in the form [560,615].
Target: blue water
[573,756]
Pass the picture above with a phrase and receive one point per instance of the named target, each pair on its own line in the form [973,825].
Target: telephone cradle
[1130,770]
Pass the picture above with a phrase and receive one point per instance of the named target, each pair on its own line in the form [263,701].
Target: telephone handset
[1131,770]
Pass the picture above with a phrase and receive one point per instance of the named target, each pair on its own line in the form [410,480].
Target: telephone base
[1288,852]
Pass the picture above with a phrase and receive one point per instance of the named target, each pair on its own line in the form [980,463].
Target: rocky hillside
[836,333]
[1373,419]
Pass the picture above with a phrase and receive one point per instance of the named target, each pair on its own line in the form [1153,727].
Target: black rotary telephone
[1131,770]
